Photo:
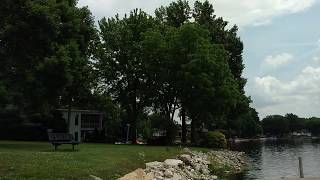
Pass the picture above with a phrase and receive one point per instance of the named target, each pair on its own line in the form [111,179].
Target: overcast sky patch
[278,60]
[301,94]
[243,13]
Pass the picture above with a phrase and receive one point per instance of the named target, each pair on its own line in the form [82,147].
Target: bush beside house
[216,139]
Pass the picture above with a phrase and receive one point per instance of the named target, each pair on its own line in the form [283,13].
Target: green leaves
[176,14]
[121,62]
[45,50]
[3,95]
[53,55]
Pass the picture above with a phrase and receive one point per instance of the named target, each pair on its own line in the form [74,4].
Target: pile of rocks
[232,159]
[184,168]
[188,166]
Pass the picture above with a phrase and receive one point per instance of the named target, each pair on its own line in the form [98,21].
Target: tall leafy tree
[295,123]
[179,13]
[176,14]
[44,46]
[189,71]
[248,125]
[313,125]
[120,61]
[162,69]
[208,87]
[203,13]
[275,125]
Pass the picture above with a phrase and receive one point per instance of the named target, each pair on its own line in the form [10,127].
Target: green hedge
[216,139]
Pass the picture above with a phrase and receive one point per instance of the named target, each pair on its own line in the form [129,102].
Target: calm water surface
[279,158]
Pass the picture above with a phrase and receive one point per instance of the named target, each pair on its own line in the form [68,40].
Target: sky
[281,48]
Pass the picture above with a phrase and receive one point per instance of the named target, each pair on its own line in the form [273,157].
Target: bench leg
[55,147]
[73,147]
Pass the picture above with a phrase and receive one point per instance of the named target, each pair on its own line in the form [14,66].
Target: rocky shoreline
[191,165]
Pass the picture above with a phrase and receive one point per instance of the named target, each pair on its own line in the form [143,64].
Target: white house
[82,122]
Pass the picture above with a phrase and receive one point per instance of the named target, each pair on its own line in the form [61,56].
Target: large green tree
[162,68]
[248,125]
[295,123]
[44,50]
[313,125]
[189,72]
[275,125]
[121,64]
[203,13]
[179,13]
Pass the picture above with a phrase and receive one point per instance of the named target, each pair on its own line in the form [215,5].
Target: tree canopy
[277,125]
[182,59]
[44,52]
[183,62]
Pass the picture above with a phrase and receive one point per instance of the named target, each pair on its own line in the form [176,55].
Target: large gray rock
[95,177]
[197,167]
[206,162]
[177,177]
[172,162]
[168,173]
[138,174]
[154,164]
[205,170]
[158,173]
[186,158]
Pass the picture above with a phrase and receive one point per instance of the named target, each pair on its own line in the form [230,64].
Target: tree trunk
[69,113]
[134,117]
[134,128]
[184,126]
[193,131]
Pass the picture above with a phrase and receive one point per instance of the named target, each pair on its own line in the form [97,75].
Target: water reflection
[279,158]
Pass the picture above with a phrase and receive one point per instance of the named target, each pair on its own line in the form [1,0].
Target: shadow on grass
[4,147]
[60,150]
[18,146]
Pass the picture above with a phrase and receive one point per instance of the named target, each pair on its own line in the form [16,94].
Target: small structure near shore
[82,122]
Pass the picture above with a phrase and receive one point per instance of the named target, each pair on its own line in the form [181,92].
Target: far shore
[237,140]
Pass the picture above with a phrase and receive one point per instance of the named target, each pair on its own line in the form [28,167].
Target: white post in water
[301,167]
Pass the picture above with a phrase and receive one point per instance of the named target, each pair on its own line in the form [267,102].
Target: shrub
[158,141]
[168,129]
[216,139]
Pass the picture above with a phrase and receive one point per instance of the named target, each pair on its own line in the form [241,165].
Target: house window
[90,121]
[76,120]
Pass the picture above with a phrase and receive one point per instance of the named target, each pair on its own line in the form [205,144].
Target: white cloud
[243,13]
[301,95]
[278,60]
[257,12]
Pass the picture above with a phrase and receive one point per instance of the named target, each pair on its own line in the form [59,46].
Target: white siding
[72,128]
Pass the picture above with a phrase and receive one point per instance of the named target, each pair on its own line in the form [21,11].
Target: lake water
[279,158]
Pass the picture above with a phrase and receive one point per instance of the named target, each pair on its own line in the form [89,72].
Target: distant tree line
[277,125]
[138,69]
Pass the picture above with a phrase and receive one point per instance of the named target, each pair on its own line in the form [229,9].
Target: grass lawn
[38,160]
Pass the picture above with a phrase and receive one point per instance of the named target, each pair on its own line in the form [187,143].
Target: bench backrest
[60,137]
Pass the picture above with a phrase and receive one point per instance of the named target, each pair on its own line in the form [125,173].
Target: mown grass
[38,160]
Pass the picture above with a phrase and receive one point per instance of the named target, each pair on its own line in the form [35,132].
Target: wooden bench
[57,139]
